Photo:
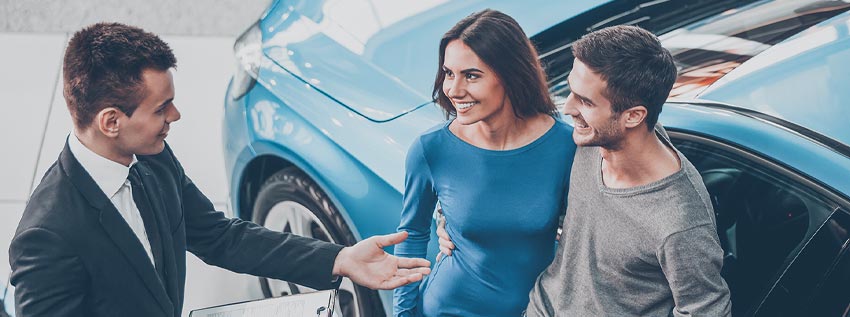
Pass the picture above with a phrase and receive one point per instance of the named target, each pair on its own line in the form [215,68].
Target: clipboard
[314,304]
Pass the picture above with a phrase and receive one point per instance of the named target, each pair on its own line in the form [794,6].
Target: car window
[707,40]
[833,299]
[764,215]
[709,49]
[816,282]
[806,72]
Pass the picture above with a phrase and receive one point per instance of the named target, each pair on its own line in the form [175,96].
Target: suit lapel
[165,245]
[116,228]
[150,212]
[129,244]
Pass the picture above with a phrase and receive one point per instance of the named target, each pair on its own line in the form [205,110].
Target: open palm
[366,263]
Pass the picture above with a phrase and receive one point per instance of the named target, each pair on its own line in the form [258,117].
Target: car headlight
[249,53]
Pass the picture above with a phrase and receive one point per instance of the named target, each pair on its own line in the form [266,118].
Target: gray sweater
[650,250]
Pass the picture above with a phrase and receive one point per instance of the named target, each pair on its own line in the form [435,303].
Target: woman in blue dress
[499,169]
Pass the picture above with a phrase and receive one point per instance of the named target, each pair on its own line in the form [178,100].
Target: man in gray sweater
[639,235]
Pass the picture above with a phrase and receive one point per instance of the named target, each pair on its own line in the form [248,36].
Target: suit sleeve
[691,261]
[245,247]
[419,202]
[49,279]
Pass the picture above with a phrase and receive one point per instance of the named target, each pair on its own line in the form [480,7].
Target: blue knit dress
[502,212]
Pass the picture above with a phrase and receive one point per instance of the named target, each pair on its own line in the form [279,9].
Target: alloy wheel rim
[290,216]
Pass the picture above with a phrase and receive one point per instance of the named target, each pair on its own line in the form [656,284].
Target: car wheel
[289,201]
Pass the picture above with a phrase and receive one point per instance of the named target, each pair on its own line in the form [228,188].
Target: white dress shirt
[111,177]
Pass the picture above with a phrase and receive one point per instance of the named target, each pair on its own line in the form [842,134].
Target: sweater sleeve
[419,202]
[691,261]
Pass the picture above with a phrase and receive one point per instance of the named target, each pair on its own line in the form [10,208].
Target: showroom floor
[34,123]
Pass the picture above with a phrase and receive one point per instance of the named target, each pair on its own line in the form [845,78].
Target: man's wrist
[340,262]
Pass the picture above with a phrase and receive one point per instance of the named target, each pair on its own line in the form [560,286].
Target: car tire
[290,201]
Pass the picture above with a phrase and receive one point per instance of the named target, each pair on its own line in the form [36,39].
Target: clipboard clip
[329,308]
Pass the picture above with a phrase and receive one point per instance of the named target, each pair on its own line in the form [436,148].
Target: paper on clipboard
[315,304]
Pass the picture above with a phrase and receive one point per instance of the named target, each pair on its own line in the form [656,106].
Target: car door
[832,297]
[816,283]
[784,236]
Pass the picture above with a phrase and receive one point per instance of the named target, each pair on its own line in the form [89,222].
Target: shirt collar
[107,174]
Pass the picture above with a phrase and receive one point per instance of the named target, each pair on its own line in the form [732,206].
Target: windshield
[710,47]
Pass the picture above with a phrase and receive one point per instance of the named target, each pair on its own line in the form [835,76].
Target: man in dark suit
[105,232]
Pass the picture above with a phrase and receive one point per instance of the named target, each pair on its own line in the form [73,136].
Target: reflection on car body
[318,119]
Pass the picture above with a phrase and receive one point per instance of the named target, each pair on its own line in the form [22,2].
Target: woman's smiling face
[475,90]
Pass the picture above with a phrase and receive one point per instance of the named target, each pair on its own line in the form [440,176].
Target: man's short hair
[103,68]
[636,68]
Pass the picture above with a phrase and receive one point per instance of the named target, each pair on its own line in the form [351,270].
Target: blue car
[328,95]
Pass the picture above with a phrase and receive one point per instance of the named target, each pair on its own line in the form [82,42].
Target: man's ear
[107,121]
[634,116]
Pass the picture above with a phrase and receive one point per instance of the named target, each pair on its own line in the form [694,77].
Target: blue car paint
[777,144]
[236,141]
[358,118]
[312,102]
[802,80]
[277,112]
[278,131]
[386,70]
[364,184]
[388,163]
[350,184]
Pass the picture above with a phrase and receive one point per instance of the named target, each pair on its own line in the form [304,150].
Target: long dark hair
[499,42]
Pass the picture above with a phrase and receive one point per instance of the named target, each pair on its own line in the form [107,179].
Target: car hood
[379,59]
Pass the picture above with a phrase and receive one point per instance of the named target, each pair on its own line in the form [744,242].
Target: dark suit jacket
[74,255]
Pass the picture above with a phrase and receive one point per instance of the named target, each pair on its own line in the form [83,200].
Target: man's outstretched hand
[367,264]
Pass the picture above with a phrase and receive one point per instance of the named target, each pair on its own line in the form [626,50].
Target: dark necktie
[143,203]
